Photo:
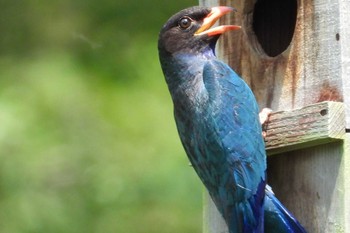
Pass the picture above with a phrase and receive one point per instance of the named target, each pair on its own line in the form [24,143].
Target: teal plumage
[217,119]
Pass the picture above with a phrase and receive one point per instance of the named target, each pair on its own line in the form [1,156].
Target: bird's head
[190,30]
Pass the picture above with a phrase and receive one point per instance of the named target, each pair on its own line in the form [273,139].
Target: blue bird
[217,118]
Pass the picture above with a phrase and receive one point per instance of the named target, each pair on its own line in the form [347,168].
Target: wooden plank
[313,184]
[305,127]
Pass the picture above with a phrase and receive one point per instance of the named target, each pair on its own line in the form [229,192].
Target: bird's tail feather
[277,218]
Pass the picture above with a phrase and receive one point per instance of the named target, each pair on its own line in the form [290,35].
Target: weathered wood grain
[312,183]
[344,37]
[306,127]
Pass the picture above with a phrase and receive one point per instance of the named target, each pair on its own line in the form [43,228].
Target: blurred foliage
[87,137]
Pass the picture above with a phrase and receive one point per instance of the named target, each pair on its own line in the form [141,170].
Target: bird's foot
[264,118]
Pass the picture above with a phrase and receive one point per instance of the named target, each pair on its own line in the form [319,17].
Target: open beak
[215,14]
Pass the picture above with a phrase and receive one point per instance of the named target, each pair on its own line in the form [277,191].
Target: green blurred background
[87,137]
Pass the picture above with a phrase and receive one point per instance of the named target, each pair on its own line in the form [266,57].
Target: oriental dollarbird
[217,118]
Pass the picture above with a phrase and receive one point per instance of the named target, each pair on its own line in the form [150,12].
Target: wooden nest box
[295,56]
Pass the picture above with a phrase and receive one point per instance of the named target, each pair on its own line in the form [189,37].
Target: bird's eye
[185,22]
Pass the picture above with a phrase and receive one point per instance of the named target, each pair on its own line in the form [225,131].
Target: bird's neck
[184,69]
[184,75]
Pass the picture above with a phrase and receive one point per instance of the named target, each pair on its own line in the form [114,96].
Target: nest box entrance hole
[274,23]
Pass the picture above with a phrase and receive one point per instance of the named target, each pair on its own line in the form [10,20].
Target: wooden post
[295,55]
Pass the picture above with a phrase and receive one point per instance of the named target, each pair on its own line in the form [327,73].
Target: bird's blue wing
[235,123]
[235,120]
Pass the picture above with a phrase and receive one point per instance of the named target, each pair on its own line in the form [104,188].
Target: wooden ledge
[305,127]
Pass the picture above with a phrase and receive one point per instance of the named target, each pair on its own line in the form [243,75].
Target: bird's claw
[264,118]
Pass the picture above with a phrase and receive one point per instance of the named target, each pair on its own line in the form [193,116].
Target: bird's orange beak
[215,14]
